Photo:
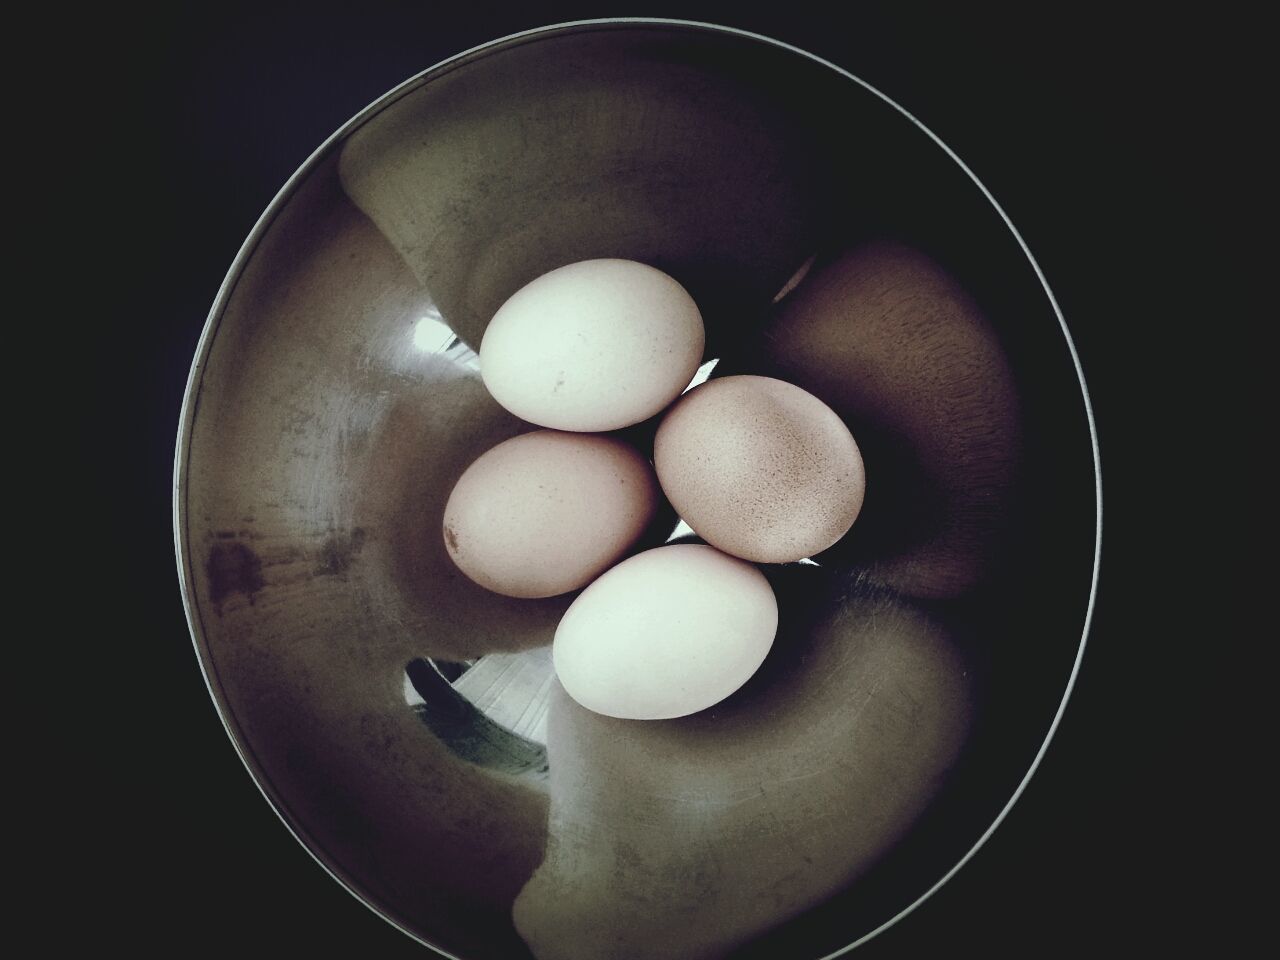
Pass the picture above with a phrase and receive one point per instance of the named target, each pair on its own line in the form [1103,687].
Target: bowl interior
[336,399]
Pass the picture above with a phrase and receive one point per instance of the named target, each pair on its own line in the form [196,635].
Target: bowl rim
[191,403]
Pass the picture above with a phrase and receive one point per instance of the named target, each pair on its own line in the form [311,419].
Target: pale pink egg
[545,512]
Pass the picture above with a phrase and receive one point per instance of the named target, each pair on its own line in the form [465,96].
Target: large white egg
[666,633]
[592,346]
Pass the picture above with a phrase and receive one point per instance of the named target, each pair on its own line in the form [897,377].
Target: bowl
[404,722]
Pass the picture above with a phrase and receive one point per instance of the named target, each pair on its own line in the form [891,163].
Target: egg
[545,512]
[760,468]
[593,346]
[665,634]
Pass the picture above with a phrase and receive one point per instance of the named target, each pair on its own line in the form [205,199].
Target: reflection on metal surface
[688,838]
[513,690]
[701,374]
[801,272]
[468,733]
[432,335]
[682,530]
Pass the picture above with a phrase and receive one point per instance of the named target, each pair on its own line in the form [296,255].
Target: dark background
[1092,128]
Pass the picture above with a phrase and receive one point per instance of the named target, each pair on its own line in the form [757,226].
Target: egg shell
[760,468]
[593,346]
[545,512]
[666,633]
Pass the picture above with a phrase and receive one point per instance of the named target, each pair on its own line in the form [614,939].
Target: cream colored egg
[595,345]
[545,512]
[760,468]
[666,633]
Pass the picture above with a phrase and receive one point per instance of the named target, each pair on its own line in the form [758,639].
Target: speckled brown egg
[546,512]
[760,468]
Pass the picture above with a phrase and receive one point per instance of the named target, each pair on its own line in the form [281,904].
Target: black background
[1092,128]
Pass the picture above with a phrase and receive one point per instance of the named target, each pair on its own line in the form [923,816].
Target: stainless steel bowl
[334,400]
